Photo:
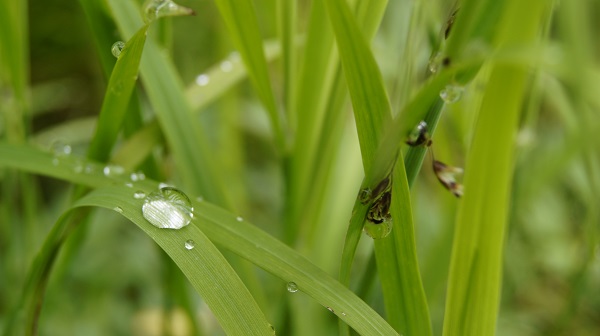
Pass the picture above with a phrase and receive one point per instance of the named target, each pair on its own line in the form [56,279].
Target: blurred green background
[116,283]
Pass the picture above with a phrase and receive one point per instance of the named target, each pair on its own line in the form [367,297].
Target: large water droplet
[189,244]
[452,93]
[139,194]
[378,230]
[202,80]
[155,9]
[168,208]
[113,170]
[117,48]
[292,287]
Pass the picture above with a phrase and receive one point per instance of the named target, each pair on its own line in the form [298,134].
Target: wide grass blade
[222,227]
[476,262]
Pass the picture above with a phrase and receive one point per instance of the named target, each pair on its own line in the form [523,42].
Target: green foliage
[244,107]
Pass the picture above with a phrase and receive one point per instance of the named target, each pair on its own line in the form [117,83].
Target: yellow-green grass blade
[116,100]
[221,227]
[476,263]
[241,20]
[396,254]
[190,148]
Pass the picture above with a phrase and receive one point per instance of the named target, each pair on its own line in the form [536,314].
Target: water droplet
[452,93]
[60,149]
[117,48]
[200,199]
[118,209]
[202,80]
[167,208]
[292,287]
[378,230]
[138,176]
[343,314]
[330,309]
[239,218]
[139,194]
[155,9]
[189,244]
[113,170]
[130,185]
[226,66]
[435,62]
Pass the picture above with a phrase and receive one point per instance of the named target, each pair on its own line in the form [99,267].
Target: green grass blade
[222,228]
[476,262]
[240,18]
[165,91]
[397,260]
[116,101]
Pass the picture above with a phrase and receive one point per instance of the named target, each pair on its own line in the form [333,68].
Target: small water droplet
[130,185]
[118,209]
[239,218]
[343,314]
[452,93]
[189,244]
[226,66]
[200,199]
[117,48]
[378,230]
[60,149]
[113,170]
[435,62]
[292,287]
[202,80]
[137,176]
[139,194]
[155,9]
[330,309]
[167,208]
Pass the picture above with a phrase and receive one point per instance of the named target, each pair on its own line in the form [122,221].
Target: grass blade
[476,262]
[396,255]
[240,18]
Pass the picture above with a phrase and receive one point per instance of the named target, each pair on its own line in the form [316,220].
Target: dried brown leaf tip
[419,136]
[447,175]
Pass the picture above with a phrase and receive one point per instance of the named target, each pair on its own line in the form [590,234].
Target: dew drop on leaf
[451,93]
[189,244]
[113,170]
[155,9]
[139,194]
[117,48]
[168,208]
[202,80]
[292,287]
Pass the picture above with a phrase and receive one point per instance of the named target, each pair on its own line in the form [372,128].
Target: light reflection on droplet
[202,80]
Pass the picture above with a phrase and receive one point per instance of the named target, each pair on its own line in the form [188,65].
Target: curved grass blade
[223,228]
